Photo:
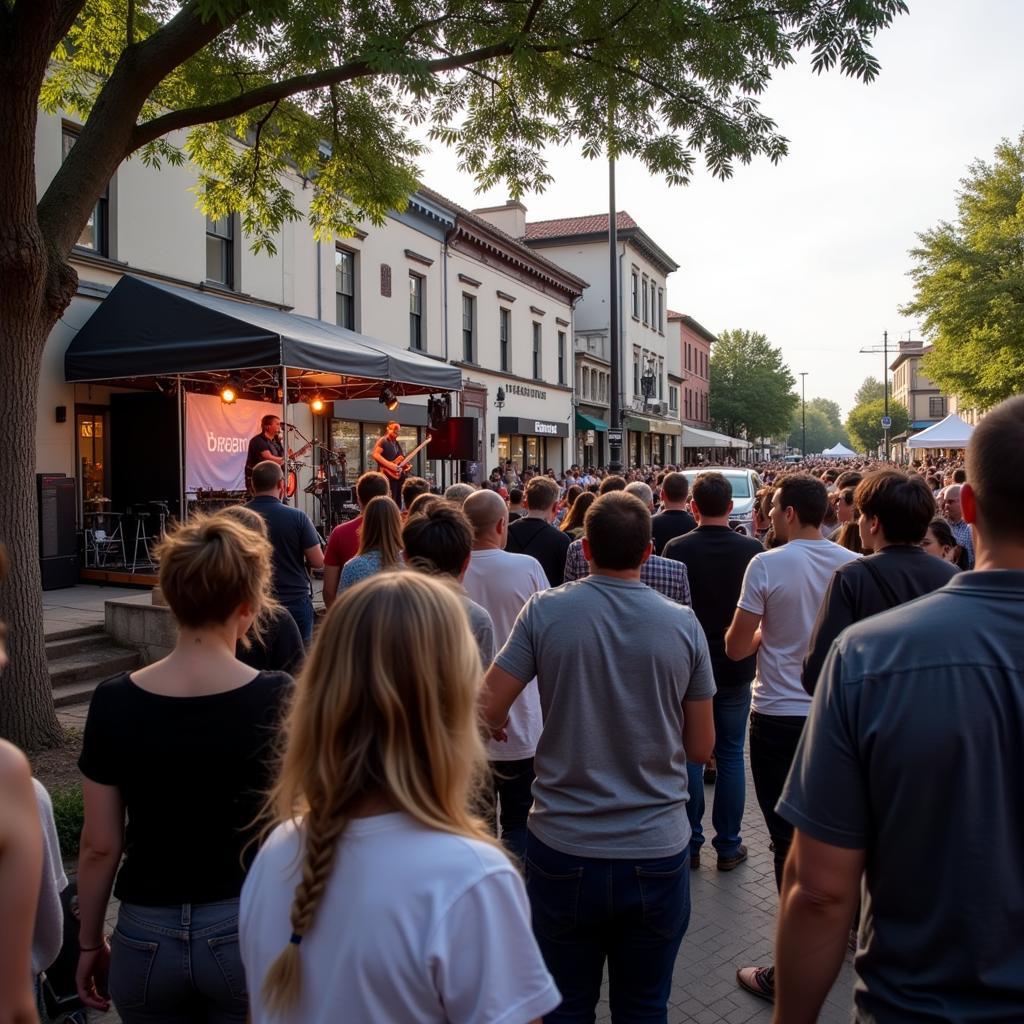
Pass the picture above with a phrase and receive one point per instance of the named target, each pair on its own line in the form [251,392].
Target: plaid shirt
[661,574]
[962,535]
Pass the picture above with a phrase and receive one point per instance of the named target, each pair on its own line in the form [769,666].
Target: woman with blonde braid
[379,896]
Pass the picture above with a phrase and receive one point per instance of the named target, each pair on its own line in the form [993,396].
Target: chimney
[510,218]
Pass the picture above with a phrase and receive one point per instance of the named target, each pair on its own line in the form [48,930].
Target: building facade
[580,244]
[924,401]
[695,343]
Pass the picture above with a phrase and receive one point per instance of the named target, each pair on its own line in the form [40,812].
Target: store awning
[694,438]
[143,329]
[585,422]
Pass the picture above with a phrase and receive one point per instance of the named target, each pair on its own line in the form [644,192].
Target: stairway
[82,657]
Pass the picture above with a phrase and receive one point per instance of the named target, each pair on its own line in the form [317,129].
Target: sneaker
[728,863]
[695,861]
[710,774]
[759,981]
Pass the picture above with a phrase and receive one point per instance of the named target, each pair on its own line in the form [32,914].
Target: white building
[434,281]
[651,429]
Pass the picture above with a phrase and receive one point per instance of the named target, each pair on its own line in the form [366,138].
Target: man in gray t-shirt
[625,687]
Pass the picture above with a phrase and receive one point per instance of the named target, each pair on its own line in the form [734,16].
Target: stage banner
[217,440]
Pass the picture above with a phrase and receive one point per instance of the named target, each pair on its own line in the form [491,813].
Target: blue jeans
[731,709]
[632,913]
[302,612]
[512,793]
[178,965]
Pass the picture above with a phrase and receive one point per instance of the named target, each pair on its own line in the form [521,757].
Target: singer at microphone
[266,446]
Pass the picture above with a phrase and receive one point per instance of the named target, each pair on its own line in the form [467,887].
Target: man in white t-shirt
[782,592]
[502,582]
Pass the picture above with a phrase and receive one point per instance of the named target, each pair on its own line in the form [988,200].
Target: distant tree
[969,284]
[751,390]
[830,409]
[821,433]
[869,391]
[864,424]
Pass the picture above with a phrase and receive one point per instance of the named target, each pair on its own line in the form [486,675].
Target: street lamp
[884,349]
[803,412]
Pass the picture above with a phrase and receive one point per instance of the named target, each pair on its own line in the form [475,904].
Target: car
[745,485]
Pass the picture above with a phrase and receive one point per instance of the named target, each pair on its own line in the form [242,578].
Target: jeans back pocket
[665,896]
[554,899]
[131,964]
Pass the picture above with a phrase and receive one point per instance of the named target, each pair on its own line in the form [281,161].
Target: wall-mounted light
[499,398]
[492,440]
[387,398]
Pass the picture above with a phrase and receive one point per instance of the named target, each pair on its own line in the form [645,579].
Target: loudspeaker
[454,439]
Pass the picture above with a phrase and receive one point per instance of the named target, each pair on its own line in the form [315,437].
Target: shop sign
[591,440]
[545,428]
[525,392]
[614,435]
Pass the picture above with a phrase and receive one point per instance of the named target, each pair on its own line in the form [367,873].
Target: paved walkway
[82,605]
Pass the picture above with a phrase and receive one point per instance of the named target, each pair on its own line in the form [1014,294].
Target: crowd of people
[479,783]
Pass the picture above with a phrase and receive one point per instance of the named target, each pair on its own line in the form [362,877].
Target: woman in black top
[183,749]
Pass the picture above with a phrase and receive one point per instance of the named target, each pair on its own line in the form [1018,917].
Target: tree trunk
[36,284]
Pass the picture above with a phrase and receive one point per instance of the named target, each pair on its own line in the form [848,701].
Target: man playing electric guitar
[388,455]
[267,446]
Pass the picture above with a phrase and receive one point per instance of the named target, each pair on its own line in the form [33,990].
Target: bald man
[502,582]
[949,503]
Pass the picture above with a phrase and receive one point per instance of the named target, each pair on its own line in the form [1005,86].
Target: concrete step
[75,676]
[74,631]
[62,647]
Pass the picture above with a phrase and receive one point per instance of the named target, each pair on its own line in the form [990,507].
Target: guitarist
[266,446]
[388,455]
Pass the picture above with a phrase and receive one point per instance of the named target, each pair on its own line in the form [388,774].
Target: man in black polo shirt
[895,510]
[264,447]
[674,520]
[295,542]
[534,535]
[716,558]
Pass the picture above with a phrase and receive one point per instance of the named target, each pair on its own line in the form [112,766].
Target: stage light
[229,392]
[387,399]
[316,404]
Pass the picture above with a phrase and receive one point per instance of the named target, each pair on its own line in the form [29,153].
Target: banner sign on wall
[217,440]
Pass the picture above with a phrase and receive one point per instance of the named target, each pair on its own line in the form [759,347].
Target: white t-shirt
[414,925]
[48,936]
[786,586]
[502,582]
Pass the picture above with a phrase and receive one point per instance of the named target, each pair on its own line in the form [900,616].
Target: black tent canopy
[144,330]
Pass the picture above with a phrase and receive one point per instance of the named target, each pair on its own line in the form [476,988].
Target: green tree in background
[751,390]
[864,424]
[333,89]
[870,390]
[824,427]
[969,284]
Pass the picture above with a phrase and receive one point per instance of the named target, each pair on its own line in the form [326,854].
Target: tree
[969,284]
[864,424]
[829,409]
[821,431]
[751,388]
[332,88]
[870,390]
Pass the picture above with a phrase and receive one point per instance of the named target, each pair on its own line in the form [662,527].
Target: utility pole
[803,412]
[886,421]
[615,427]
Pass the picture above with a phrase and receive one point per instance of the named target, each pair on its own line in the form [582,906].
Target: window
[634,295]
[561,357]
[94,234]
[661,310]
[537,367]
[661,378]
[646,310]
[636,371]
[653,290]
[345,288]
[220,251]
[604,387]
[585,382]
[469,328]
[416,312]
[593,383]
[673,398]
[936,407]
[504,330]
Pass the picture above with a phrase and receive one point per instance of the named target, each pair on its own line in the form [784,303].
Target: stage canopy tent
[838,451]
[143,331]
[952,432]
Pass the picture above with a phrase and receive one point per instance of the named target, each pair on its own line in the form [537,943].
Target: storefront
[356,425]
[651,442]
[532,443]
[591,440]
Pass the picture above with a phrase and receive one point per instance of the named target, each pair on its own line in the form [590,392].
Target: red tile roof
[565,226]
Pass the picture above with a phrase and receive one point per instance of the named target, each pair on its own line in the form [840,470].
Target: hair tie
[296,938]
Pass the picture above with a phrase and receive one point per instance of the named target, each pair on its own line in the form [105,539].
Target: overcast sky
[814,251]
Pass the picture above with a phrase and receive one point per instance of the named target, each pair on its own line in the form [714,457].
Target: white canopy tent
[952,432]
[839,451]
